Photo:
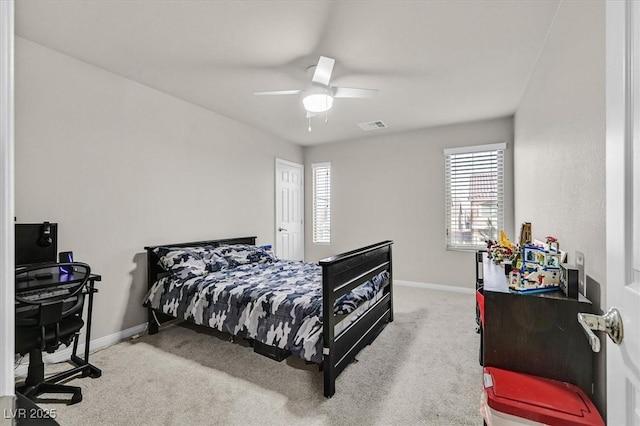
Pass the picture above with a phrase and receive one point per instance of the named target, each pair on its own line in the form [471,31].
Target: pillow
[186,262]
[182,262]
[244,254]
[215,261]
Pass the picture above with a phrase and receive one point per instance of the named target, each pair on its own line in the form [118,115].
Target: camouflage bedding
[278,303]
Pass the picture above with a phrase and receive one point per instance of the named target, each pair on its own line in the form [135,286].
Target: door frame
[7,268]
[622,103]
[279,161]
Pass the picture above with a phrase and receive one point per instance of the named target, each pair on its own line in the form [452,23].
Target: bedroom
[129,157]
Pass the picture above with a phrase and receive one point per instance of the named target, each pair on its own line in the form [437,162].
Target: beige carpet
[422,369]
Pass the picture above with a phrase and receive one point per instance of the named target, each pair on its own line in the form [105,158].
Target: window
[474,195]
[321,203]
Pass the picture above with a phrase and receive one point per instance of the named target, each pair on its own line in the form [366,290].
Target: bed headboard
[155,271]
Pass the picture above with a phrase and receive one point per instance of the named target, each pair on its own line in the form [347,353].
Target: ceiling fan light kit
[318,102]
[318,97]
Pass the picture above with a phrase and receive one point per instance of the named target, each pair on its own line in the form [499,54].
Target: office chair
[50,299]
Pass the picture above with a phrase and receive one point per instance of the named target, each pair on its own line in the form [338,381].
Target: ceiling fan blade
[279,92]
[322,75]
[351,92]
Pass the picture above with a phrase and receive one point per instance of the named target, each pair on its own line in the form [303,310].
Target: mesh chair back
[54,288]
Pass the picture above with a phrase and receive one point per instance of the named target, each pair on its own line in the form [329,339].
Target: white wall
[119,166]
[559,153]
[560,137]
[392,187]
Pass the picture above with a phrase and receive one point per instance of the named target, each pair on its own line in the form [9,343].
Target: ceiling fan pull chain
[309,123]
[326,109]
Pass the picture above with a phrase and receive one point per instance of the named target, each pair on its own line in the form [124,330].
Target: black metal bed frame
[340,274]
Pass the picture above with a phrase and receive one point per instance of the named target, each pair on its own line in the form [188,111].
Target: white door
[623,208]
[7,210]
[289,241]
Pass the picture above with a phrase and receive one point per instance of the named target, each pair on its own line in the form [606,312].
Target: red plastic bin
[536,399]
[480,302]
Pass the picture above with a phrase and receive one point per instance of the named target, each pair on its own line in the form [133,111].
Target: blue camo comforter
[279,303]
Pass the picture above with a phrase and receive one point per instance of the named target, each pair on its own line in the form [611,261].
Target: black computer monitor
[36,243]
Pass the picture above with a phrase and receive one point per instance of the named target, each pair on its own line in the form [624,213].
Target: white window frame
[321,213]
[485,163]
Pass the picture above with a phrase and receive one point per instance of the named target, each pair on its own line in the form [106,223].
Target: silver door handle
[282,229]
[611,323]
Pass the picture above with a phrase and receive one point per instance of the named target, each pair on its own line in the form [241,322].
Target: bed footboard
[341,274]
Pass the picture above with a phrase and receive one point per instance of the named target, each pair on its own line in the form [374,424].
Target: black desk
[58,280]
[536,334]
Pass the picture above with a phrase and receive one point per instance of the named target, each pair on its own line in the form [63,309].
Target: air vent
[372,125]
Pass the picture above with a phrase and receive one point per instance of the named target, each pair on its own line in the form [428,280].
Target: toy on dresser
[538,269]
[500,250]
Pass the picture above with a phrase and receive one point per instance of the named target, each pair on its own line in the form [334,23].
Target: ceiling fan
[319,95]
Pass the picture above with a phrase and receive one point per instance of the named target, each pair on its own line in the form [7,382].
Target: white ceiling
[435,62]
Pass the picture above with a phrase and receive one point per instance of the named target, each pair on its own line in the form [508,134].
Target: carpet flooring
[421,370]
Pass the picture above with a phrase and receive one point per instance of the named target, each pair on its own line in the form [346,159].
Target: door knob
[282,229]
[611,323]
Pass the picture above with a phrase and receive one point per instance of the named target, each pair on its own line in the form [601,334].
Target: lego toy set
[538,270]
[535,266]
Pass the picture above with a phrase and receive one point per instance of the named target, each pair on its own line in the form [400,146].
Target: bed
[324,313]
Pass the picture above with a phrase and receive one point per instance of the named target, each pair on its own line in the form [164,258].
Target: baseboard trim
[97,344]
[438,287]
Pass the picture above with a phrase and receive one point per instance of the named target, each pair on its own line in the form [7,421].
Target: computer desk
[58,280]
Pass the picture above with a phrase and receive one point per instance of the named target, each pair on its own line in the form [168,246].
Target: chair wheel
[77,397]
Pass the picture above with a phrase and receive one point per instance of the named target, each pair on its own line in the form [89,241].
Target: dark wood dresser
[536,334]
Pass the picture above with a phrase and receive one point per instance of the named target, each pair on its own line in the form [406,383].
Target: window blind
[321,203]
[474,196]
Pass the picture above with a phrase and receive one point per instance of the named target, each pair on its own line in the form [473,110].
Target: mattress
[278,303]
